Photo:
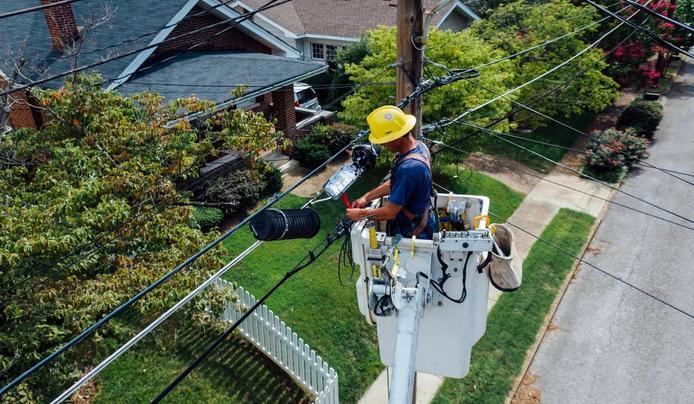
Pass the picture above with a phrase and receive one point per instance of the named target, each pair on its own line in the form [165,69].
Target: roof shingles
[341,18]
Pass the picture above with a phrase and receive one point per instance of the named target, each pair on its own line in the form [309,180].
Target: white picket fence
[278,342]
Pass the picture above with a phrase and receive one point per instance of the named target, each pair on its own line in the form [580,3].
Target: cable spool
[285,224]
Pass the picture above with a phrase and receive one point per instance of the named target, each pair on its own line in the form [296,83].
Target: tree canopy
[520,25]
[456,50]
[90,217]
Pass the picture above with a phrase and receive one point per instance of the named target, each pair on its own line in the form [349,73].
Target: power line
[163,317]
[200,180]
[647,31]
[341,230]
[562,250]
[37,8]
[552,92]
[661,16]
[495,134]
[86,332]
[542,178]
[540,76]
[542,45]
[578,131]
[222,3]
[154,324]
[96,242]
[314,86]
[234,21]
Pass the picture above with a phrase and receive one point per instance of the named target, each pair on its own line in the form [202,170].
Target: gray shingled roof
[214,75]
[336,17]
[27,34]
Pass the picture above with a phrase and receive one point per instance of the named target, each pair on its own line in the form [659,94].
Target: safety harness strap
[424,219]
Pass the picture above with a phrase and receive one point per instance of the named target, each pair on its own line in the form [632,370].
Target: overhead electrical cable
[341,230]
[543,44]
[562,250]
[646,30]
[97,243]
[236,21]
[223,3]
[163,317]
[578,131]
[37,8]
[153,209]
[654,205]
[661,16]
[551,93]
[545,179]
[540,76]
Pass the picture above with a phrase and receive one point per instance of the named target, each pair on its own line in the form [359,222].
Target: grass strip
[552,133]
[514,322]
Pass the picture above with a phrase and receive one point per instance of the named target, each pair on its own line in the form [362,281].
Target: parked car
[305,96]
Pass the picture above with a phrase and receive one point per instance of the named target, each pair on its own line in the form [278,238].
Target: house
[319,28]
[210,63]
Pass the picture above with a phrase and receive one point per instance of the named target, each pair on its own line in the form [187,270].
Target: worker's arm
[378,192]
[387,212]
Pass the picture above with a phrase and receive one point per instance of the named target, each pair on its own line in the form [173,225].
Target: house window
[331,51]
[317,51]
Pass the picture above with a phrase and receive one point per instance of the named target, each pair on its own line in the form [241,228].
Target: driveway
[609,343]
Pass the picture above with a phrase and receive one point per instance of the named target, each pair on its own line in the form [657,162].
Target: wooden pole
[410,20]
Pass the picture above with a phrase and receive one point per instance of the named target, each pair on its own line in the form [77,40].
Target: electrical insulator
[285,224]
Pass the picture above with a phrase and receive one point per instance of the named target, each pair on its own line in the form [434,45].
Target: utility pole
[410,55]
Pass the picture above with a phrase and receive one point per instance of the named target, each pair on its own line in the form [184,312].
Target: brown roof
[345,18]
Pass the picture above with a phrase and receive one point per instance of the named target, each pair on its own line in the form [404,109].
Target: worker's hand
[360,203]
[356,214]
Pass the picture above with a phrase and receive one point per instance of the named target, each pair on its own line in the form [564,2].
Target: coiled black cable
[439,285]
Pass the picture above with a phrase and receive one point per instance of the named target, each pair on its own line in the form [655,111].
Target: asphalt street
[613,344]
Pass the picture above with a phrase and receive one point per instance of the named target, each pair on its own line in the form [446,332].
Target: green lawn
[553,133]
[516,319]
[314,304]
[236,372]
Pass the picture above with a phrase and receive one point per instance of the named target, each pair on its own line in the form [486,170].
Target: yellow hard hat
[388,123]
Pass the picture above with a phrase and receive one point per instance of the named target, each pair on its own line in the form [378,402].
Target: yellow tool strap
[412,246]
[477,219]
[396,262]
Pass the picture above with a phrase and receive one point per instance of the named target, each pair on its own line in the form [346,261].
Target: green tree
[521,25]
[102,172]
[456,50]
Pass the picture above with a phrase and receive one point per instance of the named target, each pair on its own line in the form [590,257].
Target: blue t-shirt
[410,186]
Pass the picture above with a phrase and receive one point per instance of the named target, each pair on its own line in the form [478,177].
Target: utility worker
[409,205]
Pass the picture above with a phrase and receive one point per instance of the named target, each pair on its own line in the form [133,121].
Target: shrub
[613,149]
[271,177]
[321,143]
[310,154]
[206,219]
[643,116]
[235,191]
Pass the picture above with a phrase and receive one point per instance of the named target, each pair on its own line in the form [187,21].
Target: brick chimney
[61,24]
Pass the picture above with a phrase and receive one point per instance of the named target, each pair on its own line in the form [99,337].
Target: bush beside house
[206,218]
[241,189]
[322,142]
